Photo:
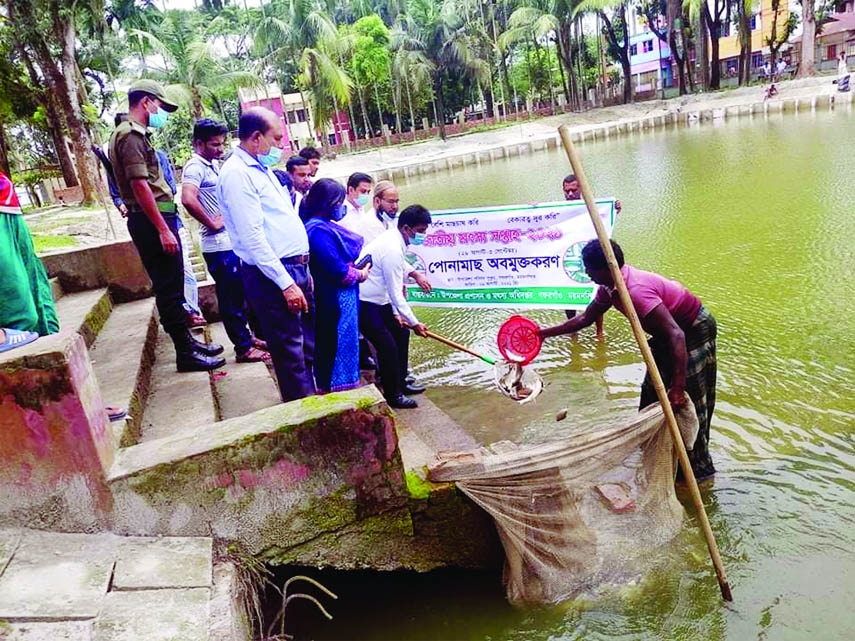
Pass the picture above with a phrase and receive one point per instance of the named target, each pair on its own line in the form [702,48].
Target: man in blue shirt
[269,237]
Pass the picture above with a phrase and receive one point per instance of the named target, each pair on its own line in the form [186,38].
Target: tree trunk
[714,28]
[561,62]
[366,122]
[396,98]
[440,105]
[702,50]
[379,110]
[4,151]
[197,103]
[410,105]
[807,64]
[676,42]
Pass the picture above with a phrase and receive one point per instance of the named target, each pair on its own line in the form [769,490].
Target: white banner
[526,256]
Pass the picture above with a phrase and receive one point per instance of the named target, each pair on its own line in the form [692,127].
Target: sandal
[260,344]
[16,338]
[253,355]
[115,413]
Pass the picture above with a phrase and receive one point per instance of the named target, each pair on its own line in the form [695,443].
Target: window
[633,50]
[724,30]
[301,115]
[757,60]
[831,52]
[754,22]
[292,118]
[647,46]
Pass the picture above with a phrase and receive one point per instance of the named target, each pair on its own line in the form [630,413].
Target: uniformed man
[153,219]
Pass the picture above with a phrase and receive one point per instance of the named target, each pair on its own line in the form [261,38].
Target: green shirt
[133,156]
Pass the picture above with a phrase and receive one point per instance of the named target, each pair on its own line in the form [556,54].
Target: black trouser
[165,271]
[231,298]
[391,342]
[290,336]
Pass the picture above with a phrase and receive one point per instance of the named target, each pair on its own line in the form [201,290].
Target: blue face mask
[157,119]
[271,158]
[362,200]
[339,213]
[418,239]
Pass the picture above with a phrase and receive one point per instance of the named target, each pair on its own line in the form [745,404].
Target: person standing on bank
[333,252]
[199,197]
[153,220]
[270,239]
[683,339]
[384,313]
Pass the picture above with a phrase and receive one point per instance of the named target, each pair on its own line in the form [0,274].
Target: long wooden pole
[652,369]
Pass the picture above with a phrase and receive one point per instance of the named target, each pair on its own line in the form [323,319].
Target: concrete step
[55,289]
[177,401]
[122,358]
[240,388]
[84,312]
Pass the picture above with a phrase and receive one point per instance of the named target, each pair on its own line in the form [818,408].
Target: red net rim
[518,340]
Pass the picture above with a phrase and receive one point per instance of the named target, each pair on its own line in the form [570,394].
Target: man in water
[683,338]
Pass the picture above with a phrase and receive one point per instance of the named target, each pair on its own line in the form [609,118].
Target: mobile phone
[362,262]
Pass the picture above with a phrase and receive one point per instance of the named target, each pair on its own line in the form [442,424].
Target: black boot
[188,358]
[210,349]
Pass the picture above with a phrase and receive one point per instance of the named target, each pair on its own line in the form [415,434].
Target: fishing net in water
[580,512]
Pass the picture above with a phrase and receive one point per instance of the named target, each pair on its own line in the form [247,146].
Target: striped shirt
[203,174]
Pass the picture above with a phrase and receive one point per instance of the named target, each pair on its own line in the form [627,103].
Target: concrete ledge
[85,313]
[54,439]
[277,477]
[114,265]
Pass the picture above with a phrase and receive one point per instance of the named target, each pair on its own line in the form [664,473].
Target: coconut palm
[411,68]
[441,34]
[325,82]
[192,69]
[616,33]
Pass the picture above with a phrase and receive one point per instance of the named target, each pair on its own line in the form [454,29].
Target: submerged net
[580,512]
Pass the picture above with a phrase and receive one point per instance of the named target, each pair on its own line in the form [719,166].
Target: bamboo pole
[451,343]
[671,421]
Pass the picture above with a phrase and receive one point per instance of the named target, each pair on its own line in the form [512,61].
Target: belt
[163,208]
[303,259]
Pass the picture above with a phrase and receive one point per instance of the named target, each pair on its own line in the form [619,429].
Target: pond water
[756,217]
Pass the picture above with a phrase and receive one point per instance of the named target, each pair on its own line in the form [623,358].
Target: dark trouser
[391,342]
[166,272]
[231,299]
[290,336]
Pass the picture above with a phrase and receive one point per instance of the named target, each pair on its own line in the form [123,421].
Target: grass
[49,242]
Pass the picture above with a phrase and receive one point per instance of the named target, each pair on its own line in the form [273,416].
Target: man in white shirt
[384,313]
[300,172]
[199,180]
[270,239]
[358,196]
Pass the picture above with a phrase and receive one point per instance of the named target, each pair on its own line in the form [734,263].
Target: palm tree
[441,35]
[191,66]
[616,34]
[326,83]
[411,68]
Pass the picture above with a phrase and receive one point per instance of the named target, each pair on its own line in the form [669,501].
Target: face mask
[339,213]
[384,217]
[271,158]
[157,119]
[362,200]
[418,239]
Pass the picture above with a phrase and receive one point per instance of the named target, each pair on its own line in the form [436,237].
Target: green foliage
[176,137]
[32,177]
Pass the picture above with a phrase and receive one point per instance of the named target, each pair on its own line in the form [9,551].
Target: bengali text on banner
[525,256]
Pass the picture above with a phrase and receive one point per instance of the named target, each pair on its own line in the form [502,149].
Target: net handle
[458,346]
[656,378]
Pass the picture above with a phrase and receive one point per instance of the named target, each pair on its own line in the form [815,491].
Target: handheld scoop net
[519,340]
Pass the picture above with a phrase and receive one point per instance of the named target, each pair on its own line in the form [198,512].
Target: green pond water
[757,218]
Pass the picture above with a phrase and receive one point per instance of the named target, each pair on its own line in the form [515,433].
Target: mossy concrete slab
[54,577]
[170,562]
[46,631]
[282,475]
[154,615]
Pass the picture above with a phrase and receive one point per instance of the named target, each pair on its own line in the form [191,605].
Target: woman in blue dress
[332,251]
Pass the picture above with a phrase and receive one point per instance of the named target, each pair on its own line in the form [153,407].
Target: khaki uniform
[133,156]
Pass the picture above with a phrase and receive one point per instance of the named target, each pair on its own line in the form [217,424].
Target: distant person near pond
[842,72]
[683,338]
[333,250]
[26,303]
